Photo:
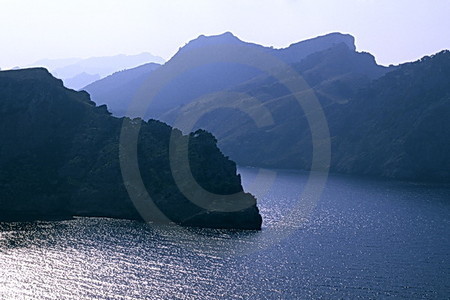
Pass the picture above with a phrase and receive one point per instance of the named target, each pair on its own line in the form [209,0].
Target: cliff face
[59,157]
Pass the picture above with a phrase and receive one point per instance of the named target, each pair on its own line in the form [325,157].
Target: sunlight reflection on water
[366,239]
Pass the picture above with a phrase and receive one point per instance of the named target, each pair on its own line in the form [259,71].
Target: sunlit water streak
[365,239]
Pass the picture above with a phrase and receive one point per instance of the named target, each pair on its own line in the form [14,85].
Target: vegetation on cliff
[60,157]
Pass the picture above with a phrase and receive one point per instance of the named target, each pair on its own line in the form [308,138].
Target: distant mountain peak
[226,36]
[293,53]
[333,38]
[204,41]
[300,50]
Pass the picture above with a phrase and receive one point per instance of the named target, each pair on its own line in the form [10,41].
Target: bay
[363,238]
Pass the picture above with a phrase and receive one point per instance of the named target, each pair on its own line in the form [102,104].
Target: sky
[394,31]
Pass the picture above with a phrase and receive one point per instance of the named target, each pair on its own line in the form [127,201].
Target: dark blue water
[363,239]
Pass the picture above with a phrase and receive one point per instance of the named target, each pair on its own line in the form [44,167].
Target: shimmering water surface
[364,239]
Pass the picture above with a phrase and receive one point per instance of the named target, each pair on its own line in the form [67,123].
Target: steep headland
[59,157]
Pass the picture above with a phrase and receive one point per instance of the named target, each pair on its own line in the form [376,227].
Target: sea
[323,237]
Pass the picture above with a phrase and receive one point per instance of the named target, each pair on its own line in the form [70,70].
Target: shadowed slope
[59,157]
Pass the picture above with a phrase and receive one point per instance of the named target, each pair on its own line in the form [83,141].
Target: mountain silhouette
[203,66]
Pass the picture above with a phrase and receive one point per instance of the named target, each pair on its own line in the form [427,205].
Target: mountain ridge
[211,77]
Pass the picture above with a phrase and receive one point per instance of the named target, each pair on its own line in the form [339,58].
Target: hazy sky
[394,31]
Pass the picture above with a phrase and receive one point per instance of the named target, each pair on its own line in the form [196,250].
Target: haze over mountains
[77,72]
[209,70]
[247,95]
[115,88]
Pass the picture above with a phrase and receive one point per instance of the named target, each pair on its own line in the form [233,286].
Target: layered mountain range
[79,72]
[382,121]
[207,65]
